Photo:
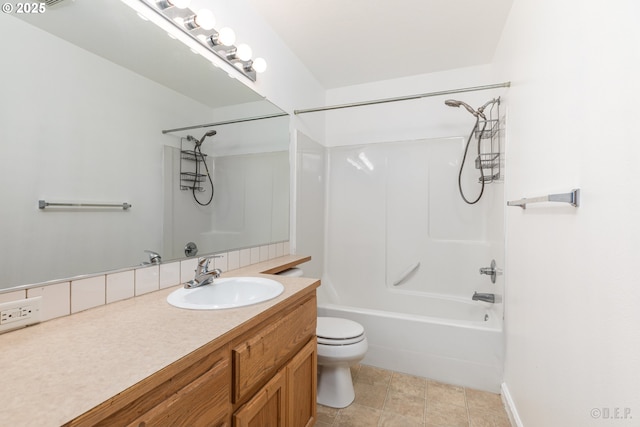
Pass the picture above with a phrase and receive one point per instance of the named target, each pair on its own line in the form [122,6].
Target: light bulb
[259,64]
[180,4]
[205,19]
[243,52]
[226,36]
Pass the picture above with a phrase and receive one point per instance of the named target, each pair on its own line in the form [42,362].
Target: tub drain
[486,317]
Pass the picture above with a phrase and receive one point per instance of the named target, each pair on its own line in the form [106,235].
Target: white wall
[572,316]
[309,223]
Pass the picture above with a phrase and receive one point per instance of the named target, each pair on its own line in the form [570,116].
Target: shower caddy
[488,133]
[190,163]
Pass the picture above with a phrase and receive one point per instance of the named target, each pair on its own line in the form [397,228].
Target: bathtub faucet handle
[490,271]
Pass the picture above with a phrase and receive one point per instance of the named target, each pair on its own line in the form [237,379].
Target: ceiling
[348,42]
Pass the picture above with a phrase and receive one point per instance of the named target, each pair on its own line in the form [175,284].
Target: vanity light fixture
[197,31]
[180,4]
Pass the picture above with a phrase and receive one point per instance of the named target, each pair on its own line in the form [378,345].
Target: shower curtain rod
[228,122]
[402,98]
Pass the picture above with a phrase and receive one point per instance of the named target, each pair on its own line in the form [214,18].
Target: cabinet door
[267,407]
[260,354]
[204,402]
[301,387]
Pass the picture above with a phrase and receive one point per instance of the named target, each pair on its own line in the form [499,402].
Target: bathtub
[441,338]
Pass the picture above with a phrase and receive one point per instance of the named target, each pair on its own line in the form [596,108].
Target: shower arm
[491,102]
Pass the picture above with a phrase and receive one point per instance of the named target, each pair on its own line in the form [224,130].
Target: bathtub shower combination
[405,256]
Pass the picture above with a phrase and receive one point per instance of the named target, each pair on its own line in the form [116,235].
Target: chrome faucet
[204,276]
[154,257]
[484,297]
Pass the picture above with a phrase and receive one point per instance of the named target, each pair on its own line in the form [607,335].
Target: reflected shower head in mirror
[206,135]
[456,103]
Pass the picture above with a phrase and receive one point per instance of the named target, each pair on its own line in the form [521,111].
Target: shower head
[455,103]
[206,135]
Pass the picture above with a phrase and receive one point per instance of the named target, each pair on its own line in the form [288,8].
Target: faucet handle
[154,257]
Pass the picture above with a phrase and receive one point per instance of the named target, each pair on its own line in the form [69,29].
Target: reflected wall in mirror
[87,88]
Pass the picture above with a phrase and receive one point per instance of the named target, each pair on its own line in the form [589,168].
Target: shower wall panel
[394,206]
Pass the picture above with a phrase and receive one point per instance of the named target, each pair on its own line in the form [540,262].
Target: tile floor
[386,398]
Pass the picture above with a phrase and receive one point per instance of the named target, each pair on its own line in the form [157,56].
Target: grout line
[466,406]
[386,397]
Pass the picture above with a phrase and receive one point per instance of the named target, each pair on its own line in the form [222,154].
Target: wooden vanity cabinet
[302,376]
[288,399]
[282,355]
[193,391]
[265,376]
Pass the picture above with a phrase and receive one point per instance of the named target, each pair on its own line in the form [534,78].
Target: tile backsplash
[65,297]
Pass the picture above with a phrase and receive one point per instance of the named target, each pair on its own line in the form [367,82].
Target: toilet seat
[338,331]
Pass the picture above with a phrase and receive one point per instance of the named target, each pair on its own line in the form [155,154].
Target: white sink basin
[229,292]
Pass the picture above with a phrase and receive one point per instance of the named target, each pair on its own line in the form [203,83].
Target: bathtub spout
[484,297]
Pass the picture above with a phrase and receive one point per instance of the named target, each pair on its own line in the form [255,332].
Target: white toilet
[341,343]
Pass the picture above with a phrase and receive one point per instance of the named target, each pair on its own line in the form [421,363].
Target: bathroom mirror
[87,89]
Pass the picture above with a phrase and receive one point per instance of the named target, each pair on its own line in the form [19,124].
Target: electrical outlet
[20,313]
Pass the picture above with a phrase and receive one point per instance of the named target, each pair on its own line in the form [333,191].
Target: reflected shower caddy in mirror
[190,164]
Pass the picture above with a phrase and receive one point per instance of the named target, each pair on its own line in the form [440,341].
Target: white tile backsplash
[120,286]
[64,298]
[221,262]
[255,255]
[264,253]
[87,293]
[56,300]
[13,296]
[147,279]
[188,269]
[245,257]
[233,260]
[169,274]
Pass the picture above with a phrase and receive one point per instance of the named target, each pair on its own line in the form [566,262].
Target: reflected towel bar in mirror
[124,206]
[572,198]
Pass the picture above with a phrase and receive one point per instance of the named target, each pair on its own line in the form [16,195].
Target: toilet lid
[334,328]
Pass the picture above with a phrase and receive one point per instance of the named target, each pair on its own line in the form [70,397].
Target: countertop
[57,370]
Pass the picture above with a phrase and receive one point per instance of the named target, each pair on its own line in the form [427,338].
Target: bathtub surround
[403,258]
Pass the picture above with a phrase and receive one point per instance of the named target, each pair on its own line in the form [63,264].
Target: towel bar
[572,198]
[124,206]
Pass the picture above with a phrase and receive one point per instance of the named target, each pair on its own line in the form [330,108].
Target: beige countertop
[57,370]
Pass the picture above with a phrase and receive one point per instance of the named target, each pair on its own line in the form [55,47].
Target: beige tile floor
[386,398]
